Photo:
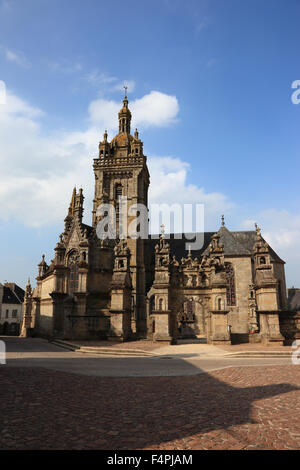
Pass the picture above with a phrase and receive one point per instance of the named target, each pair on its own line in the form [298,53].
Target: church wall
[279,273]
[45,320]
[47,286]
[238,316]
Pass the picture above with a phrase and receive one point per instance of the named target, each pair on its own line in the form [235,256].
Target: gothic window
[230,288]
[73,275]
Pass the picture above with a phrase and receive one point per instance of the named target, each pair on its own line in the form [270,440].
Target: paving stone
[233,408]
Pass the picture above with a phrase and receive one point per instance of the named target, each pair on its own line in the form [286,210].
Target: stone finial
[28,290]
[222,219]
[105,136]
[258,230]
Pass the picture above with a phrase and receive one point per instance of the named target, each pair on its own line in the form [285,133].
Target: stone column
[121,292]
[162,332]
[58,314]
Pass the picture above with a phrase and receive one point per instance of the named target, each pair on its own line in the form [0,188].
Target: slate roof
[12,294]
[239,243]
[18,291]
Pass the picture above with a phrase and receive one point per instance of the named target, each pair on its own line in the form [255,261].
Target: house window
[230,285]
[262,260]
[6,313]
[14,313]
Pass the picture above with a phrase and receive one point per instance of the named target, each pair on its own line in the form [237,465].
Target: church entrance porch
[191,320]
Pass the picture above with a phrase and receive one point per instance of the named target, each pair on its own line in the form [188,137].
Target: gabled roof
[234,245]
[12,294]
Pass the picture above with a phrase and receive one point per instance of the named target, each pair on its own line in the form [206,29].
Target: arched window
[219,304]
[73,260]
[160,304]
[230,285]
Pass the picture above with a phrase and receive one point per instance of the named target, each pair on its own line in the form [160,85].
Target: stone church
[232,289]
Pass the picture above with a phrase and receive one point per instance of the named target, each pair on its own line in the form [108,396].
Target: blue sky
[210,83]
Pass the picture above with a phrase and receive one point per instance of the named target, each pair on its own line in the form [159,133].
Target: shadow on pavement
[50,409]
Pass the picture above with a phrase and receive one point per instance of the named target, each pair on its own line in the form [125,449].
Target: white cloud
[66,68]
[15,57]
[98,78]
[155,109]
[169,185]
[107,82]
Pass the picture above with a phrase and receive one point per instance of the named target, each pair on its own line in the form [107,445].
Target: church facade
[232,289]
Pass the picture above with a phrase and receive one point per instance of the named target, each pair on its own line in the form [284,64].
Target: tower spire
[124,116]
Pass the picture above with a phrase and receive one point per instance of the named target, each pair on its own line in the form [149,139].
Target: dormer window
[262,260]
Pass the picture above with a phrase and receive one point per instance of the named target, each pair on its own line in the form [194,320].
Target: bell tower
[122,176]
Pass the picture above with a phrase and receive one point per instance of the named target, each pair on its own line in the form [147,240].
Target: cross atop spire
[223,222]
[125,88]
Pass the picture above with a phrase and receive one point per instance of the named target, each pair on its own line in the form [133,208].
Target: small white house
[11,308]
